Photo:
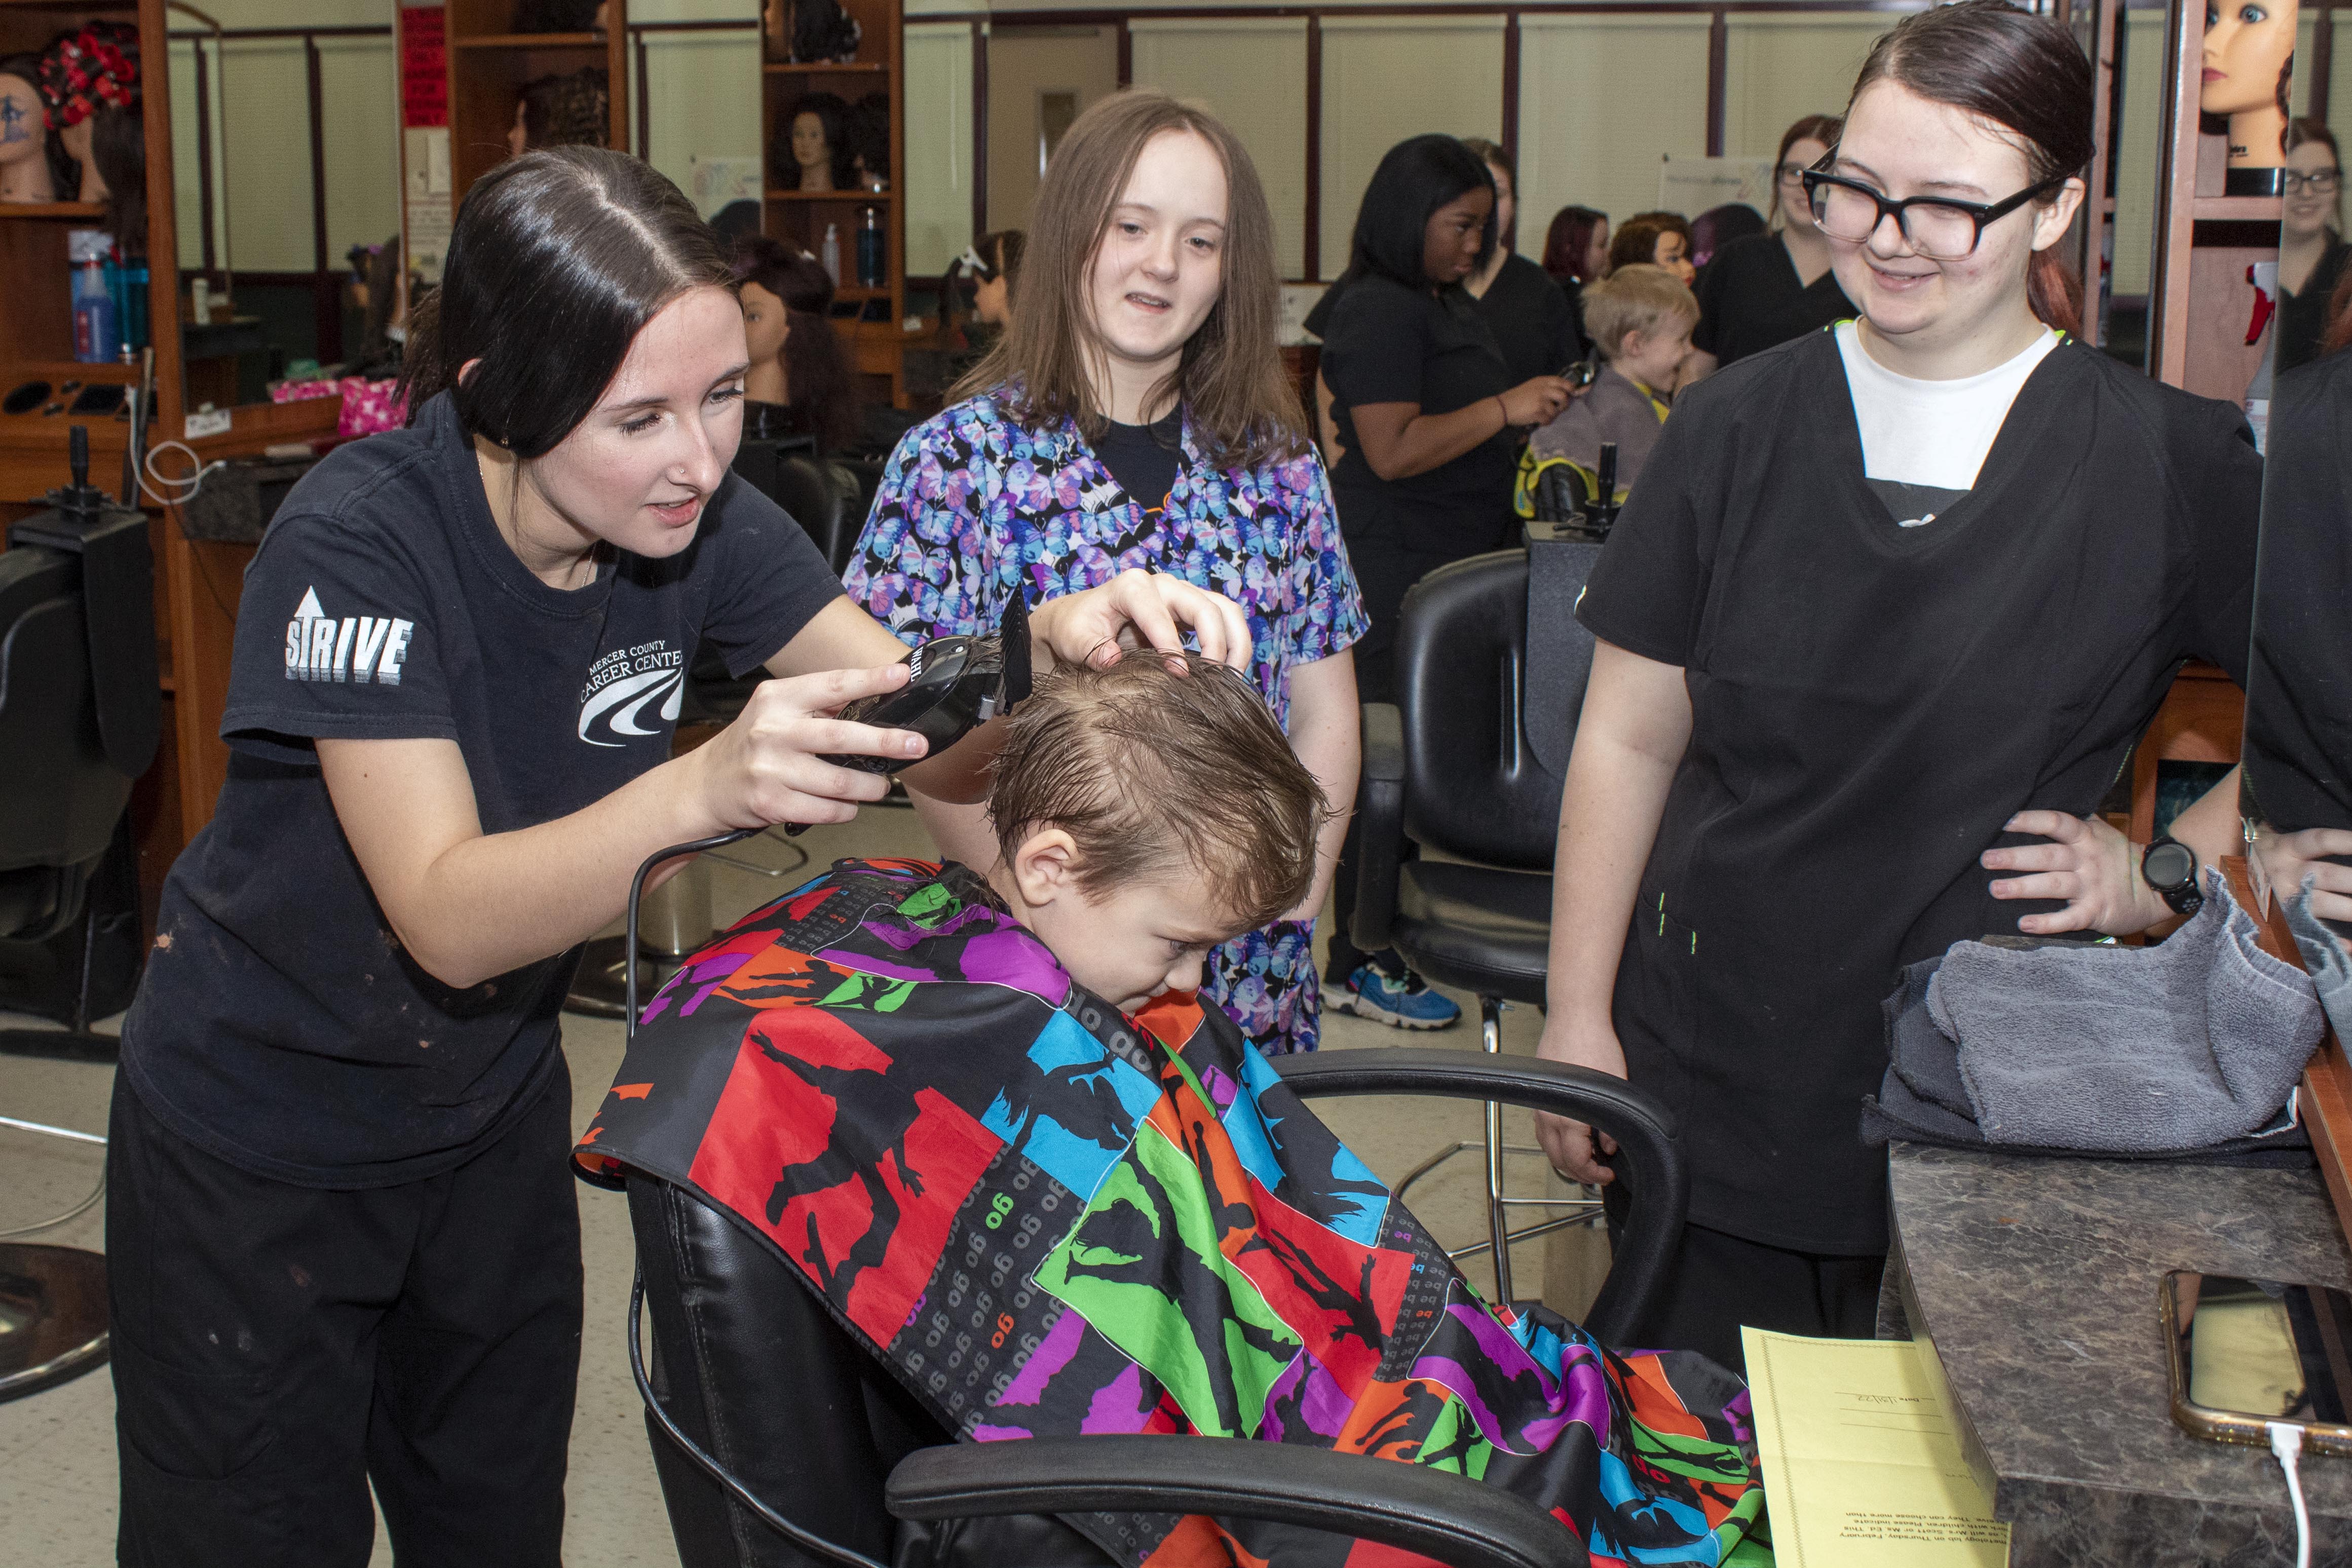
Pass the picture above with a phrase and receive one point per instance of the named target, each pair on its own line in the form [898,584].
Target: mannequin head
[865,139]
[2248,60]
[26,175]
[2314,193]
[1654,239]
[814,142]
[89,84]
[796,358]
[994,265]
[570,110]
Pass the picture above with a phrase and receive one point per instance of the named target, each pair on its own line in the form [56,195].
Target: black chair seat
[1477,928]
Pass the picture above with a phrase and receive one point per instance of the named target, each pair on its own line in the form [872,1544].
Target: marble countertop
[2035,1281]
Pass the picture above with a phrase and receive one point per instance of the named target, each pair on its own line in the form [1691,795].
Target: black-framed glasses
[1937,227]
[2318,182]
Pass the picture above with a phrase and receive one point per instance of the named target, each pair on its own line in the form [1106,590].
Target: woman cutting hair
[1889,610]
[343,1250]
[1136,415]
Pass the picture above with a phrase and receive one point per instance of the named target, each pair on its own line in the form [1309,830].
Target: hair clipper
[954,684]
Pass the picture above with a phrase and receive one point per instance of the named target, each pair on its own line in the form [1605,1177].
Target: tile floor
[57,1448]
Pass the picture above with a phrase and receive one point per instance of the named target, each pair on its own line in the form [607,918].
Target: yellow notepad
[1861,1465]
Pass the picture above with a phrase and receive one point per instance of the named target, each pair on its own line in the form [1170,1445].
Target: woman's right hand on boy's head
[768,766]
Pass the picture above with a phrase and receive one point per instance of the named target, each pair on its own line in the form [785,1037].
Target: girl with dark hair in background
[2312,252]
[1769,288]
[343,1250]
[1890,608]
[799,380]
[992,262]
[1136,414]
[1522,307]
[1575,252]
[1659,239]
[1427,413]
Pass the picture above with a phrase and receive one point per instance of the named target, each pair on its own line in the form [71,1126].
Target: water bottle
[873,266]
[97,331]
[829,253]
[138,280]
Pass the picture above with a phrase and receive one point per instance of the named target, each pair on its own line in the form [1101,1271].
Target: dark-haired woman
[1136,415]
[1890,609]
[1427,412]
[993,264]
[799,382]
[1523,308]
[1575,252]
[1766,288]
[343,1250]
[2312,251]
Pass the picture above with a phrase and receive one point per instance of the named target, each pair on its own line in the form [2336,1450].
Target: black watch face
[2170,865]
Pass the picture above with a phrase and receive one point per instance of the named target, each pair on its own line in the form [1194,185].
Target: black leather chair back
[1474,788]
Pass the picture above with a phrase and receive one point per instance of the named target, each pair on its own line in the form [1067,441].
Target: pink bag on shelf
[368,406]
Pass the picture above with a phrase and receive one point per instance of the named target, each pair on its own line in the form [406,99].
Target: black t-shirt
[1530,321]
[1749,300]
[2298,743]
[1870,703]
[1144,458]
[280,1025]
[1387,344]
[2302,317]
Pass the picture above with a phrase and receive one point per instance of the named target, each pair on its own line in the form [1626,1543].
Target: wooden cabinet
[488,64]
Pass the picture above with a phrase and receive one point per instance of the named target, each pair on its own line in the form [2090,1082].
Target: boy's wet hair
[1157,765]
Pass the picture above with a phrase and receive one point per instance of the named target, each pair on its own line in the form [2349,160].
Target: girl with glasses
[1763,291]
[2312,252]
[1886,616]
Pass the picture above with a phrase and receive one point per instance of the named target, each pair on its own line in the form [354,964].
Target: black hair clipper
[954,684]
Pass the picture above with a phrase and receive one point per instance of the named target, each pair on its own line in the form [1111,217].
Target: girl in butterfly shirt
[1136,414]
[1891,607]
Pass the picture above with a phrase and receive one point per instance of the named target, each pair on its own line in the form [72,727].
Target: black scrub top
[280,1025]
[1530,320]
[2298,742]
[2302,317]
[1387,344]
[1869,705]
[1749,300]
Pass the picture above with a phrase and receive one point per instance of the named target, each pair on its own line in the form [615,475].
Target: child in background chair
[1640,318]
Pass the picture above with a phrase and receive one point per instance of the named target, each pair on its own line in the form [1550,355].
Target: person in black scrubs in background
[1889,610]
[1766,288]
[343,1245]
[1521,305]
[1428,415]
[2312,252]
[1575,252]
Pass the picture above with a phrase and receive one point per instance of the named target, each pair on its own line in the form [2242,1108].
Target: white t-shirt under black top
[1924,442]
[280,1025]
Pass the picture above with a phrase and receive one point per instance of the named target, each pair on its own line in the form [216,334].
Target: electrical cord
[186,487]
[2286,1444]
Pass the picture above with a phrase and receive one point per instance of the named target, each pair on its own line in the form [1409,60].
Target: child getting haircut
[1640,318]
[1144,813]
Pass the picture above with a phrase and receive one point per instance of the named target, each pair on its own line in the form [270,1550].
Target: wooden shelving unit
[876,347]
[488,64]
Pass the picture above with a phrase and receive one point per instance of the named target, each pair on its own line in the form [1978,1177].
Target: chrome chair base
[53,1323]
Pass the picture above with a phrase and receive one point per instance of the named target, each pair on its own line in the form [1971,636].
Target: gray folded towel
[2191,1042]
[2323,956]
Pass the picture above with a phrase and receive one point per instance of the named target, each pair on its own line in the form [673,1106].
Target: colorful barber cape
[1050,1219]
[975,507]
[1870,703]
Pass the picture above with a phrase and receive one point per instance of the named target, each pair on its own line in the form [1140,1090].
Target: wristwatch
[2170,868]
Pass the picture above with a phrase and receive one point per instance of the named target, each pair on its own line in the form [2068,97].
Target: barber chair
[1469,762]
[81,714]
[782,1444]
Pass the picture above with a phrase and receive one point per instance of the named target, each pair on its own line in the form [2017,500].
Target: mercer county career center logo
[360,648]
[623,685]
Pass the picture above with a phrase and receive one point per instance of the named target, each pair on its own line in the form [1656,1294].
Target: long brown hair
[1824,129]
[1243,410]
[1570,237]
[2339,317]
[2011,68]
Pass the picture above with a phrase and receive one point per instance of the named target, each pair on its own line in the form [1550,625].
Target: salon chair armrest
[1380,828]
[1461,1524]
[1649,1158]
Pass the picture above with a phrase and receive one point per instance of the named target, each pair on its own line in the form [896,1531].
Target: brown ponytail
[2055,292]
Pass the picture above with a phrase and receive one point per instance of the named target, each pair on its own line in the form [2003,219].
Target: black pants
[277,1347]
[1385,572]
[1718,1282]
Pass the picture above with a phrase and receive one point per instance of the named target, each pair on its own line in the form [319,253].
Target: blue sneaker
[1399,1001]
